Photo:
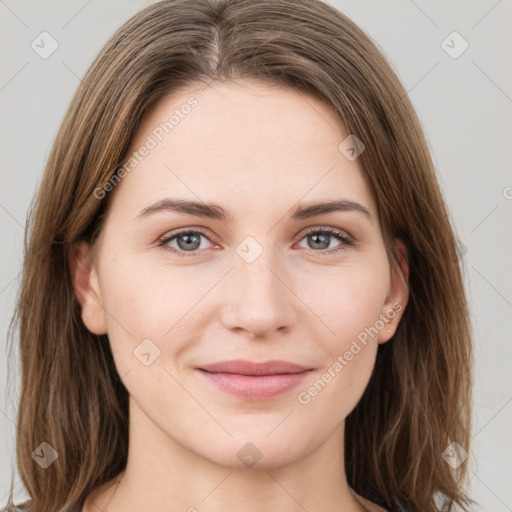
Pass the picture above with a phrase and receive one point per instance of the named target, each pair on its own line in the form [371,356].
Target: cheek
[348,304]
[148,300]
[150,297]
[346,300]
[348,358]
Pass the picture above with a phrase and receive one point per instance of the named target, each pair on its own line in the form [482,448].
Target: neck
[162,474]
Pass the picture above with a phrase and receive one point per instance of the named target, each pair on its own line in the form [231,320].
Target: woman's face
[250,277]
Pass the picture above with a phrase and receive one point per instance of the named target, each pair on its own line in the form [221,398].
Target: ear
[85,285]
[398,295]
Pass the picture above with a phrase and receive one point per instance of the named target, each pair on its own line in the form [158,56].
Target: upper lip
[244,367]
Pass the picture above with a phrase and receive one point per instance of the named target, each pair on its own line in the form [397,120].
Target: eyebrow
[216,212]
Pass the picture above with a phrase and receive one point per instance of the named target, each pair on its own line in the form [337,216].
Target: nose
[259,297]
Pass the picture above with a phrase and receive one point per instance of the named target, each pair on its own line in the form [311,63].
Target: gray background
[464,104]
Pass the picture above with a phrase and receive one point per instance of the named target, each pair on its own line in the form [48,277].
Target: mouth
[254,381]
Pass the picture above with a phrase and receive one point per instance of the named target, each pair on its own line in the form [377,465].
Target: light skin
[258,151]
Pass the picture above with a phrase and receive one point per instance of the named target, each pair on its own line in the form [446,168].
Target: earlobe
[85,285]
[398,295]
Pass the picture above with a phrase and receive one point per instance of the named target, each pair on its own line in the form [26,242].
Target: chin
[256,452]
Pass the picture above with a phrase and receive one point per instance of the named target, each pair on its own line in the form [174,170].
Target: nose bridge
[258,299]
[255,268]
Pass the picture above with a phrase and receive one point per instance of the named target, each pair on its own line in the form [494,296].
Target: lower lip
[255,387]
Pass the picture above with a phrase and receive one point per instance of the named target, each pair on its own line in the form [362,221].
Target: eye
[322,237]
[189,241]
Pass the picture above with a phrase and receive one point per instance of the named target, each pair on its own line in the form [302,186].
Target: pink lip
[254,381]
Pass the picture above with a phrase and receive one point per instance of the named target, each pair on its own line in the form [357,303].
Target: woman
[241,285]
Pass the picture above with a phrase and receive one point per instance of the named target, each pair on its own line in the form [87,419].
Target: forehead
[243,142]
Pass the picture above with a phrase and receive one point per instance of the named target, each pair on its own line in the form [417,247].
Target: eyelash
[339,235]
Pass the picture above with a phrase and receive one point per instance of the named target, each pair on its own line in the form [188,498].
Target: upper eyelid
[172,234]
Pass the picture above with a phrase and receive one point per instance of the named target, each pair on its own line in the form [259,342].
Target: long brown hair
[417,402]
